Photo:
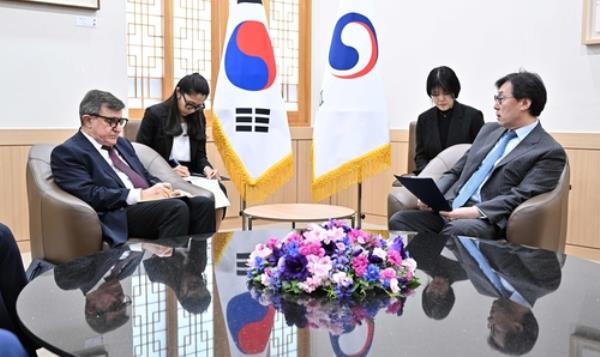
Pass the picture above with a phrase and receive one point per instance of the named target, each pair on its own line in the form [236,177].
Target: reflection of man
[102,169]
[517,277]
[181,269]
[98,277]
[438,296]
[509,162]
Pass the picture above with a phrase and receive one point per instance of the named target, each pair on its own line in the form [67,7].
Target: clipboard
[426,190]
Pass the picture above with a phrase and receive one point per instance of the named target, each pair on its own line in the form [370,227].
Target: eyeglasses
[112,122]
[192,106]
[499,99]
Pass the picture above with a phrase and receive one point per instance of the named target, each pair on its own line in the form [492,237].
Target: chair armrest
[71,227]
[400,199]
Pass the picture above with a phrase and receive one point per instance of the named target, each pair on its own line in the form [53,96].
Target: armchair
[540,221]
[63,227]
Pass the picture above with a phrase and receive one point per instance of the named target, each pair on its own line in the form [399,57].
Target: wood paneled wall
[583,151]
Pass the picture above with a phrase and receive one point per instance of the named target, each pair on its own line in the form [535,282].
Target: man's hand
[423,207]
[211,173]
[462,212]
[181,170]
[158,191]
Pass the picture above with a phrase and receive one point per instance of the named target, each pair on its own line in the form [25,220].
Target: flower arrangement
[335,260]
[337,316]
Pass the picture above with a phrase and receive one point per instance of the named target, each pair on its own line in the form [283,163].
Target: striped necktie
[137,180]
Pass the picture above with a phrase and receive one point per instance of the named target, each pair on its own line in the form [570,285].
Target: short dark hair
[437,306]
[518,343]
[445,78]
[93,101]
[527,85]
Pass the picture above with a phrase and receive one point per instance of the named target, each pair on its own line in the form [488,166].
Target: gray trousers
[423,221]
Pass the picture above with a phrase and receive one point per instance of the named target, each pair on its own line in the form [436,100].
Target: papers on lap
[426,190]
[213,186]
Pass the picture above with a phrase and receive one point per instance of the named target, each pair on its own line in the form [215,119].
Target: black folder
[426,190]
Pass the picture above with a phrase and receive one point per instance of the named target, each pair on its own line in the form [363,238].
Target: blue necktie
[470,187]
[484,265]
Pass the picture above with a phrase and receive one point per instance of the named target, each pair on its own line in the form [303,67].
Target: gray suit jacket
[531,168]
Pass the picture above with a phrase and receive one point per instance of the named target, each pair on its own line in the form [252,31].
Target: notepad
[213,186]
[426,190]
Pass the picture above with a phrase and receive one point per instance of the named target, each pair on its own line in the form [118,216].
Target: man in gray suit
[509,162]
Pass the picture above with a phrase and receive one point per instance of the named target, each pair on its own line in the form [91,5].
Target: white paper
[213,186]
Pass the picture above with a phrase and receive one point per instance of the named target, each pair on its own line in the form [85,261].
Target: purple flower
[294,267]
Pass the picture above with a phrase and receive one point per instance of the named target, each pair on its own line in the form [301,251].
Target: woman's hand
[211,173]
[423,207]
[181,170]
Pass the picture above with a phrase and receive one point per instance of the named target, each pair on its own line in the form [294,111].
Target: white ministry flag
[351,130]
[250,127]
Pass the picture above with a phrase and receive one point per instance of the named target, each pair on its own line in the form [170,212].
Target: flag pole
[359,215]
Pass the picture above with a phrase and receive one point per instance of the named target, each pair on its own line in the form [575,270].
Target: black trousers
[12,281]
[423,221]
[171,217]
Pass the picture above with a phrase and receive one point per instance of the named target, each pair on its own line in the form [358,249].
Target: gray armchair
[63,227]
[540,221]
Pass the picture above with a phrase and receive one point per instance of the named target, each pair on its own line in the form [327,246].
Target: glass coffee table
[189,297]
[297,212]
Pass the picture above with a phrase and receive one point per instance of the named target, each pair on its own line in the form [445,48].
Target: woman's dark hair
[191,84]
[445,78]
[527,85]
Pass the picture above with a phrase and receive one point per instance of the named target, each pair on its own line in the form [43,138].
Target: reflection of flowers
[338,317]
[333,259]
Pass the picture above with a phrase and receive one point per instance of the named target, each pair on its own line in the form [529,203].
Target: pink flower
[312,248]
[360,264]
[388,273]
[272,243]
[310,284]
[319,267]
[261,251]
[358,236]
[410,263]
[394,257]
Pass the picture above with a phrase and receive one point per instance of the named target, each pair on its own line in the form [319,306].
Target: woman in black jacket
[176,128]
[448,122]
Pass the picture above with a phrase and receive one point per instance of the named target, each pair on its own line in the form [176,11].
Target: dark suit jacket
[85,272]
[79,169]
[531,168]
[464,126]
[532,272]
[152,134]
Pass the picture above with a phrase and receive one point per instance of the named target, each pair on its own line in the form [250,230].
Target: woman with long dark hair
[176,128]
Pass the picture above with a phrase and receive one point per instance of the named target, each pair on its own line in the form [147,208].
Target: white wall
[47,63]
[481,41]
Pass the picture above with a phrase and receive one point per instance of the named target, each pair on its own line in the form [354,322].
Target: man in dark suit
[101,168]
[516,276]
[509,162]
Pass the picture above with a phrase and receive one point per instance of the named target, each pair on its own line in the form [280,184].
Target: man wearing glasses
[509,162]
[101,168]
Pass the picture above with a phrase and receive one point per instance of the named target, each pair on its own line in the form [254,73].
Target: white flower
[340,278]
[394,285]
[410,263]
[380,253]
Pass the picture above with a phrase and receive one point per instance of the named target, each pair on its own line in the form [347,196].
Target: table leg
[293,225]
[250,223]
[352,220]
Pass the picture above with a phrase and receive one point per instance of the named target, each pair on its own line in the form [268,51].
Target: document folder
[426,190]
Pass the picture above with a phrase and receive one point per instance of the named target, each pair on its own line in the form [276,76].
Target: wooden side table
[297,212]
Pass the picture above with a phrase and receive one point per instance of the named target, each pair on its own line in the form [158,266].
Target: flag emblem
[345,59]
[252,119]
[249,59]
